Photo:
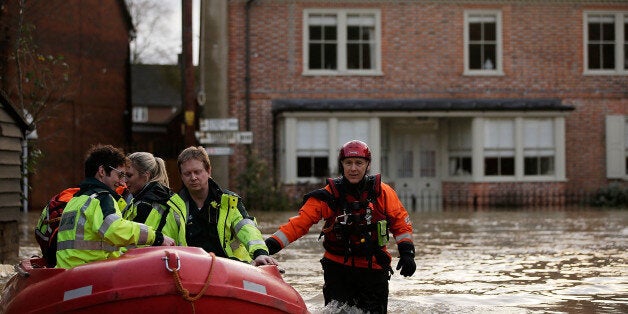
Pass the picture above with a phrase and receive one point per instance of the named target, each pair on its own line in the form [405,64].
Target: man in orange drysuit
[359,211]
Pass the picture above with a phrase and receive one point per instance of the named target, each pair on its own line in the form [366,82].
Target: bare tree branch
[152,44]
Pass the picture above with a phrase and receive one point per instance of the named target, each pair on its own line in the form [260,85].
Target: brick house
[457,99]
[92,37]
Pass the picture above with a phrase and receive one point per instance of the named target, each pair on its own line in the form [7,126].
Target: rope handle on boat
[177,279]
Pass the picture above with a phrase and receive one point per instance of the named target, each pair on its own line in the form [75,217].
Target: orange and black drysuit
[357,218]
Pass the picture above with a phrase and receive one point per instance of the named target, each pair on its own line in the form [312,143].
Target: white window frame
[500,151]
[353,129]
[621,18]
[478,126]
[288,145]
[341,15]
[140,114]
[309,151]
[498,66]
[539,145]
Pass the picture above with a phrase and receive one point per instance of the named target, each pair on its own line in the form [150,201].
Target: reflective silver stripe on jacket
[107,222]
[79,242]
[242,223]
[143,234]
[156,206]
[86,245]
[80,226]
[161,211]
[403,236]
[177,217]
[282,237]
[253,242]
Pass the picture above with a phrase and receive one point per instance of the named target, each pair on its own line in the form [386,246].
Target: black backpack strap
[335,184]
[142,214]
[373,186]
[164,217]
[321,194]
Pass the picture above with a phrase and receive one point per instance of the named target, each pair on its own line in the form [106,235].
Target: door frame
[417,193]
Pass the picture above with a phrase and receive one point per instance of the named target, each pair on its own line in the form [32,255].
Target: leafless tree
[155,41]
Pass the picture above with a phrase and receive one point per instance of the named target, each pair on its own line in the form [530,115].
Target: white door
[414,168]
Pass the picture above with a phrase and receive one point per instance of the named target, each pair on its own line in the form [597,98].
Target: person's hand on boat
[168,241]
[264,260]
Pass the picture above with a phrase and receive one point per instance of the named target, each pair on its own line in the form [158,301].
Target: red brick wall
[508,194]
[92,36]
[422,57]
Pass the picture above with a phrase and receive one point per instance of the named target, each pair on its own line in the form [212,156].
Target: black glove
[273,245]
[406,259]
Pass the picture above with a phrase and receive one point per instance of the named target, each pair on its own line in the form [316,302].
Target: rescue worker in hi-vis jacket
[92,227]
[217,220]
[153,202]
[359,211]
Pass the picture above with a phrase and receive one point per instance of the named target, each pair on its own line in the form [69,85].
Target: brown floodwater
[506,261]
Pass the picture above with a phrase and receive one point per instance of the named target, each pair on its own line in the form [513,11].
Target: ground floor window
[504,148]
[460,144]
[538,147]
[309,145]
[312,149]
[526,141]
[463,148]
[499,147]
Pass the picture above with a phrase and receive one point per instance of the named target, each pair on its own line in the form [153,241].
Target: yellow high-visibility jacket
[160,208]
[238,235]
[92,227]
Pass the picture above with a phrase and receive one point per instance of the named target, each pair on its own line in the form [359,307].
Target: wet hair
[145,162]
[199,153]
[103,155]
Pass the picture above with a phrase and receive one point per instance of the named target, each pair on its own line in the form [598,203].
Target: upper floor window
[341,42]
[482,42]
[606,36]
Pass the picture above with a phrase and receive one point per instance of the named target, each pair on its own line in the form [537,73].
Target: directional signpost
[221,132]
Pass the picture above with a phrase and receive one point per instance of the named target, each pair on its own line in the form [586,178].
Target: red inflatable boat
[151,280]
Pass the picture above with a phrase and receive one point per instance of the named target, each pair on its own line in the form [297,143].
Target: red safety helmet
[354,148]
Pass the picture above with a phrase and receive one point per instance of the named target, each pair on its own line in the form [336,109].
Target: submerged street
[507,261]
[524,261]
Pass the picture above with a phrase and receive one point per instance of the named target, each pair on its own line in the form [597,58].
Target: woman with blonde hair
[154,203]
